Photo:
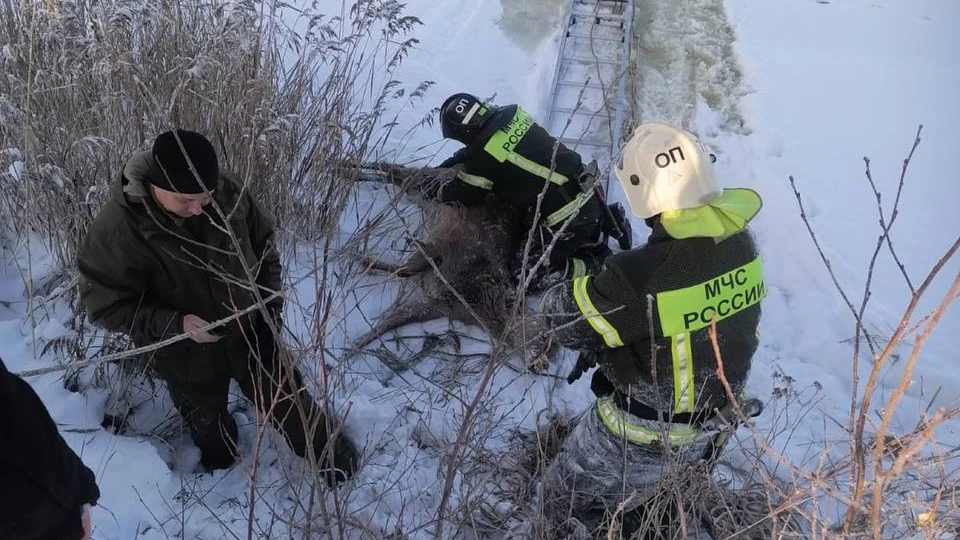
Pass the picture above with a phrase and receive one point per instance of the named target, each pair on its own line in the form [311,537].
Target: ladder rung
[593,61]
[616,6]
[596,16]
[597,38]
[579,84]
[581,110]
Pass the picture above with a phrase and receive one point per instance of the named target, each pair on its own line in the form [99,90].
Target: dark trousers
[275,389]
[70,529]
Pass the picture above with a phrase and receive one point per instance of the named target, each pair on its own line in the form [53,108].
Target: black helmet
[462,116]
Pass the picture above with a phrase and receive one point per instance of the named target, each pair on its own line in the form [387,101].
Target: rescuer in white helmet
[644,321]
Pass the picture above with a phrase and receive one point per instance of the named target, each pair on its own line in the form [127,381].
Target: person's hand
[85,520]
[191,322]
[585,362]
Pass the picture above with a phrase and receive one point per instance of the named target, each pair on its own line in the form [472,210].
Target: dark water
[529,22]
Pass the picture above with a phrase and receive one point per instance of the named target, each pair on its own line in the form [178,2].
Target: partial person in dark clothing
[158,261]
[644,320]
[45,489]
[509,154]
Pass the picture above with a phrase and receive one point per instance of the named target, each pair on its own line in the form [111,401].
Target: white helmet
[664,168]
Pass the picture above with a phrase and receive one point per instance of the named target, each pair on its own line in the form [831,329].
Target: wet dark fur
[472,249]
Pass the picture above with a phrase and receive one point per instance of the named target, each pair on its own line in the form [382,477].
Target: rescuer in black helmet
[507,153]
[462,116]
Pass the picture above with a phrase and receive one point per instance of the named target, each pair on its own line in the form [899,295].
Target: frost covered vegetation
[86,83]
[453,451]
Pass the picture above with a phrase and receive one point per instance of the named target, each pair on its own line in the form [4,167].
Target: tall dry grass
[289,109]
[293,101]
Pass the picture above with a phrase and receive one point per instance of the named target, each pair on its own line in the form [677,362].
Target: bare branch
[887,225]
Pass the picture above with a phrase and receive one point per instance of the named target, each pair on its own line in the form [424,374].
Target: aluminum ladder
[589,82]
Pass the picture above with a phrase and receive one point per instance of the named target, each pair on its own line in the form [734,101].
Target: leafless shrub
[89,83]
[292,111]
[882,478]
[891,485]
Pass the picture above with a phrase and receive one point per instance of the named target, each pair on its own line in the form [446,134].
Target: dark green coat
[142,270]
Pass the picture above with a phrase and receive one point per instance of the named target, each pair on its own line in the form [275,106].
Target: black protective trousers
[595,471]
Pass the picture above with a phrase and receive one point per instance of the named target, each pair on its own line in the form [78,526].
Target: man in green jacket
[178,245]
[645,321]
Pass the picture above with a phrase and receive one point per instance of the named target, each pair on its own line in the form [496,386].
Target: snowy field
[796,87]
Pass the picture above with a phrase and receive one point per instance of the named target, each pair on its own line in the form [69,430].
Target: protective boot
[215,435]
[345,461]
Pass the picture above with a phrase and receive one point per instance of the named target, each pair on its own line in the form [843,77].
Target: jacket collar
[132,191]
[720,219]
[657,232]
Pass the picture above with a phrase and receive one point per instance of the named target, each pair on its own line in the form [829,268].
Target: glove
[585,361]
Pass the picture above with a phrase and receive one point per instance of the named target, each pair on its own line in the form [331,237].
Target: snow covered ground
[795,87]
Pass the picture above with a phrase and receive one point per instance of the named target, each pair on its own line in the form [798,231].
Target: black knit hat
[171,169]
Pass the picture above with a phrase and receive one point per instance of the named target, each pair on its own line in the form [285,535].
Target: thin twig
[884,225]
[827,264]
[152,347]
[879,478]
[879,362]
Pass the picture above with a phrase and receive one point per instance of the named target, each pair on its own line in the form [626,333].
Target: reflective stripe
[683,397]
[617,423]
[504,140]
[536,169]
[475,180]
[569,209]
[697,306]
[599,324]
[721,439]
[579,267]
[470,113]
